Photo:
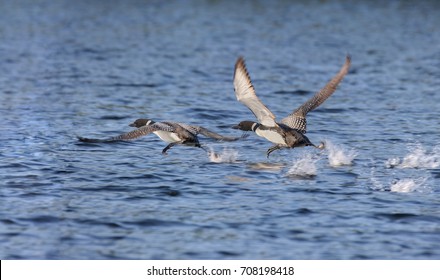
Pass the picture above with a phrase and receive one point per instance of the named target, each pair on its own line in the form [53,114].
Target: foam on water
[338,156]
[305,166]
[418,157]
[227,155]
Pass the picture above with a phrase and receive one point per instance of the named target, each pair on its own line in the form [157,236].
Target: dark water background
[90,68]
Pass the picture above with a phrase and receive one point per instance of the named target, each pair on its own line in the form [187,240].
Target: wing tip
[240,63]
[241,72]
[348,60]
[240,60]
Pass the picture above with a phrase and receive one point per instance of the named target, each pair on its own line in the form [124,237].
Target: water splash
[304,167]
[405,185]
[418,157]
[338,156]
[227,155]
[408,185]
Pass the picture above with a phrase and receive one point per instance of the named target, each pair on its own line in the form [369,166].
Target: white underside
[166,136]
[272,136]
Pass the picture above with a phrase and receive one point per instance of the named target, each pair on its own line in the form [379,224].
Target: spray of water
[227,155]
[407,185]
[338,156]
[418,157]
[305,166]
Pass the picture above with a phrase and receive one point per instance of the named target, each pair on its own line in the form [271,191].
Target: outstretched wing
[297,119]
[216,136]
[205,132]
[142,131]
[245,93]
[190,128]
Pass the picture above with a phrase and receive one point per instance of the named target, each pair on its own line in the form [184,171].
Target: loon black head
[141,122]
[247,126]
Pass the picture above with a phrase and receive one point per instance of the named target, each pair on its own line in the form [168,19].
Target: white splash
[338,156]
[405,185]
[408,185]
[227,155]
[418,157]
[304,167]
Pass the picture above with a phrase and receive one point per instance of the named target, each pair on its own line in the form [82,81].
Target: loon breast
[271,135]
[167,136]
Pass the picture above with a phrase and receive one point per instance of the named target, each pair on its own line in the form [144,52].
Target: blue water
[89,68]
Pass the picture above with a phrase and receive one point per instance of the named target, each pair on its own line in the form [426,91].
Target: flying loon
[288,133]
[172,132]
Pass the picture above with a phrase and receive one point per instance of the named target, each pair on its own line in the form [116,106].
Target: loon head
[141,122]
[247,126]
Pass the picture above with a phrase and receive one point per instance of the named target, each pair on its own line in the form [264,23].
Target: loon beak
[235,127]
[132,125]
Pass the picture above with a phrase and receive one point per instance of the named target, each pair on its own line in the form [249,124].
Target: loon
[172,132]
[289,133]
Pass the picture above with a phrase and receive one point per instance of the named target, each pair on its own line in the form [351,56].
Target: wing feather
[297,119]
[191,128]
[213,135]
[134,134]
[245,93]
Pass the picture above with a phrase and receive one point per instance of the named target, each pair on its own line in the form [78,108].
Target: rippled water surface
[89,68]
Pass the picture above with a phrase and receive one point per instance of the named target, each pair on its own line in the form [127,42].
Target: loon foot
[164,151]
[271,149]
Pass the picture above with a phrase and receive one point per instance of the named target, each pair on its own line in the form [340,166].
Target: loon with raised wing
[171,132]
[290,132]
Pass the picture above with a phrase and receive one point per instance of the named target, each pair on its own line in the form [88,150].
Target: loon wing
[215,136]
[194,130]
[297,119]
[245,93]
[134,134]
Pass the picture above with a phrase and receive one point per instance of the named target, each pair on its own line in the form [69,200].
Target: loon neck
[255,126]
